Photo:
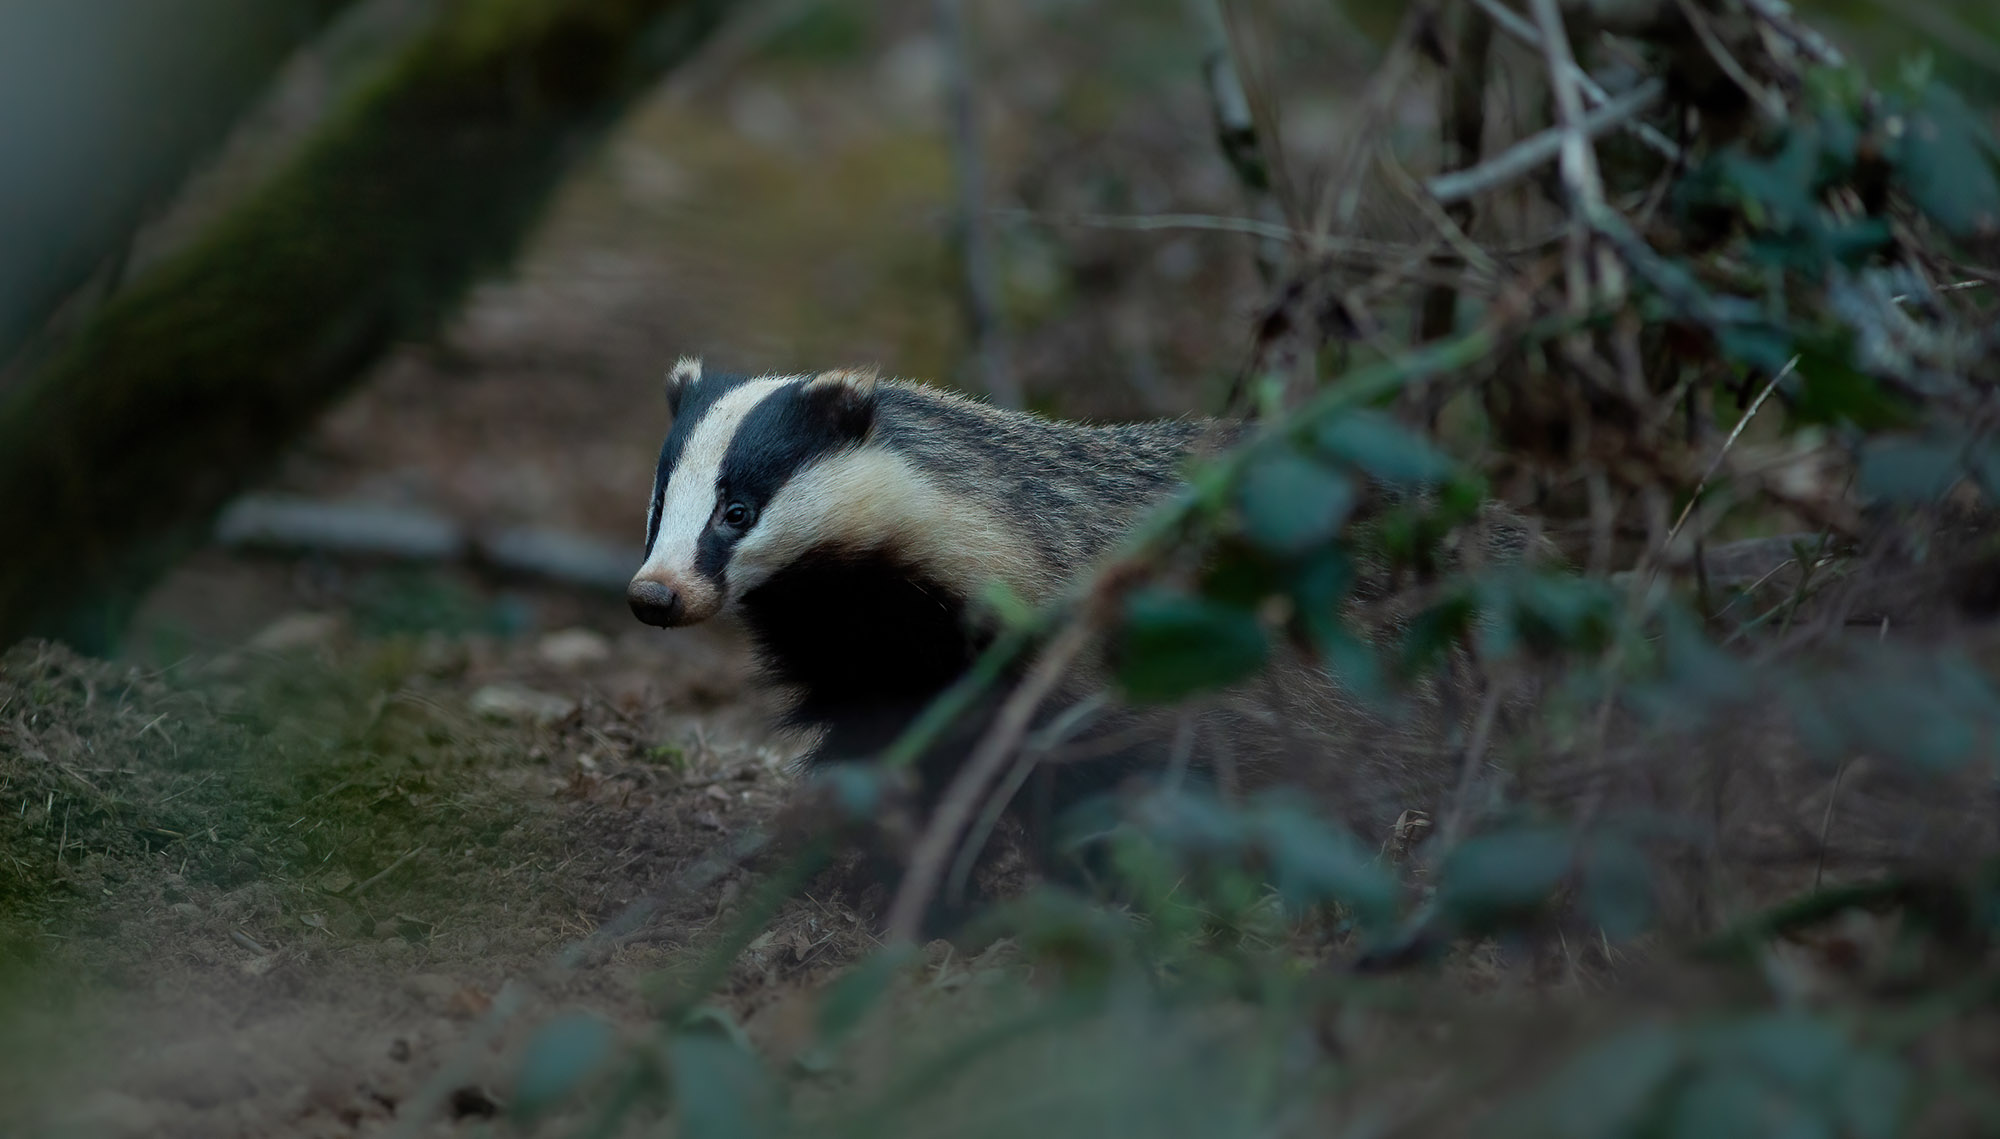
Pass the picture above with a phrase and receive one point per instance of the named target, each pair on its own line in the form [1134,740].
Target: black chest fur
[864,641]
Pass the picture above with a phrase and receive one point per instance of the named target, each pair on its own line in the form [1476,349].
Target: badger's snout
[655,603]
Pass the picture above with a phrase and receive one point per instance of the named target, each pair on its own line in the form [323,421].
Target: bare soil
[271,890]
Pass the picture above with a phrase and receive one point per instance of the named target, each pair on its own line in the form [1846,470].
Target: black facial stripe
[783,433]
[780,436]
[695,403]
[711,553]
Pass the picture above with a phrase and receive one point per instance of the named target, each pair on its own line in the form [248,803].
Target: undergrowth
[1709,849]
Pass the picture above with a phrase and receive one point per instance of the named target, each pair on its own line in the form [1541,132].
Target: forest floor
[271,890]
[269,871]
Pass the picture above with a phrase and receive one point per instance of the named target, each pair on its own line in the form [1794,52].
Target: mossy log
[117,454]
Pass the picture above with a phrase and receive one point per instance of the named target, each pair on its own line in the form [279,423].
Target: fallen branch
[277,523]
[1521,159]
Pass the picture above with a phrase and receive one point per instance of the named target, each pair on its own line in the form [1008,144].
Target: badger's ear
[686,373]
[846,398]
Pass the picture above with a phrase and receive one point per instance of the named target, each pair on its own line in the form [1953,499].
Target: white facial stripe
[871,498]
[690,498]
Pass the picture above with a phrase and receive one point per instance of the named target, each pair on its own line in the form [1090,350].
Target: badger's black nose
[653,603]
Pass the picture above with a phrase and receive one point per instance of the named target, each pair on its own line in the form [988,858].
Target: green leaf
[1911,470]
[1763,346]
[1724,1105]
[1610,1087]
[720,1089]
[1795,1050]
[1946,159]
[1313,861]
[558,1060]
[1320,587]
[1354,664]
[1434,630]
[1175,645]
[1873,1093]
[1828,388]
[855,994]
[1292,503]
[1240,574]
[1618,888]
[1384,449]
[1985,465]
[1498,876]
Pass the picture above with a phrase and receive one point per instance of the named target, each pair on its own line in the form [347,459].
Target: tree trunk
[109,102]
[118,453]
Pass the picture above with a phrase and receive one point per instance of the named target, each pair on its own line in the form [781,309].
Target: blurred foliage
[1226,945]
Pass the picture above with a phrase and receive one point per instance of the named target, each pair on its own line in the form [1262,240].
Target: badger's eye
[736,516]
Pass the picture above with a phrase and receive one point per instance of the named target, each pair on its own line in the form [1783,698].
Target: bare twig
[1037,750]
[1468,772]
[1464,128]
[1735,433]
[1704,30]
[1507,20]
[962,797]
[1778,15]
[1236,129]
[385,871]
[1581,178]
[982,303]
[1145,223]
[1826,825]
[1521,159]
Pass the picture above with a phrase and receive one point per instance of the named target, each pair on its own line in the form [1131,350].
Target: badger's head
[753,474]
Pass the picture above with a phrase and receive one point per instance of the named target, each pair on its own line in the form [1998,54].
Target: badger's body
[854,525]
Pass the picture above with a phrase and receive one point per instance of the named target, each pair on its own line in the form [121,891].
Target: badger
[854,524]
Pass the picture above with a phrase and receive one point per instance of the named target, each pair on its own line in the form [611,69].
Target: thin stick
[1236,133]
[1475,751]
[1508,21]
[1521,159]
[1826,824]
[386,871]
[1735,432]
[1037,749]
[961,798]
[989,346]
[1766,101]
[1580,175]
[1778,14]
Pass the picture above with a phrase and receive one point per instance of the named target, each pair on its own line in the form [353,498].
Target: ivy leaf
[1501,876]
[855,994]
[1292,503]
[1910,469]
[1608,1088]
[1946,159]
[1386,450]
[558,1060]
[1313,861]
[721,1090]
[1174,645]
[1618,888]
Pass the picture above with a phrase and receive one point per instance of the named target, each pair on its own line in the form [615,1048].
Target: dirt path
[270,890]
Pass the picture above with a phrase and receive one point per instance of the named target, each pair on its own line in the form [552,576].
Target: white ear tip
[860,379]
[686,370]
